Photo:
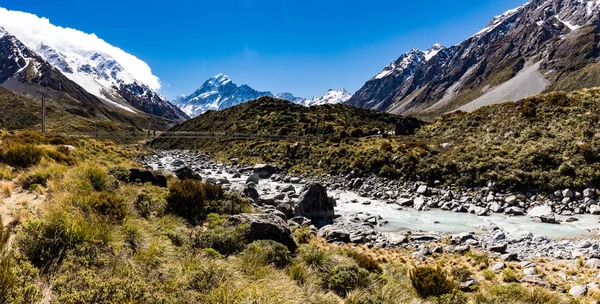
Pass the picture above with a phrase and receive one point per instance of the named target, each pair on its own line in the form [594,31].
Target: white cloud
[33,30]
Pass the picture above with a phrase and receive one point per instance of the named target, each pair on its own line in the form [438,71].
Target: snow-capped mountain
[103,70]
[219,93]
[331,97]
[543,45]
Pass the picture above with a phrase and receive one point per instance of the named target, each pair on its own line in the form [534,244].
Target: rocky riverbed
[385,213]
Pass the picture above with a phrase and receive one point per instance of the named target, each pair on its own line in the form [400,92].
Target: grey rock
[254,178]
[264,227]
[498,266]
[578,291]
[544,213]
[514,211]
[593,263]
[595,209]
[185,172]
[314,203]
[422,190]
[334,234]
[509,257]
[499,248]
[536,280]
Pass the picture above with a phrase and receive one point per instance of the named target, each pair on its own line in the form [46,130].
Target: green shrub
[150,204]
[297,272]
[208,276]
[314,257]
[37,177]
[46,239]
[190,199]
[344,278]
[22,156]
[211,253]
[97,178]
[303,235]
[461,274]
[111,205]
[430,282]
[120,173]
[60,156]
[488,274]
[225,241]
[266,252]
[509,276]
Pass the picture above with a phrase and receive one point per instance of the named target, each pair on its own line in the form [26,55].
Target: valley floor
[87,232]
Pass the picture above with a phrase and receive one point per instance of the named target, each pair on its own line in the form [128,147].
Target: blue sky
[301,46]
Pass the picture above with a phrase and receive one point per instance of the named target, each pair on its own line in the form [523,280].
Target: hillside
[279,117]
[545,142]
[541,46]
[63,115]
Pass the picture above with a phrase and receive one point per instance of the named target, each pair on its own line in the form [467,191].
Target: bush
[111,205]
[298,273]
[120,173]
[509,276]
[461,274]
[22,156]
[430,282]
[225,241]
[365,261]
[37,177]
[488,274]
[267,252]
[344,278]
[150,204]
[314,257]
[190,199]
[97,178]
[47,239]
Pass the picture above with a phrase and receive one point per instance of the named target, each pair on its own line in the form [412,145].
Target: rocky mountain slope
[541,46]
[219,93]
[25,71]
[110,74]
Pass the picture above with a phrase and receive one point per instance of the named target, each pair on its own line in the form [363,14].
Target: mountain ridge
[559,35]
[220,92]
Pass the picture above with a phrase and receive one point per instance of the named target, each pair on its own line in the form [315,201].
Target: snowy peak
[219,93]
[408,62]
[218,80]
[331,97]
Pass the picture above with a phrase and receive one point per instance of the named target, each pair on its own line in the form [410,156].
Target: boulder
[186,172]
[422,190]
[255,179]
[144,176]
[286,209]
[264,170]
[595,209]
[593,263]
[334,234]
[252,193]
[514,211]
[544,213]
[265,227]
[498,266]
[537,280]
[499,248]
[578,291]
[314,203]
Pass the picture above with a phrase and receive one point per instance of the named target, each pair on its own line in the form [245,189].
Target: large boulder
[544,213]
[186,172]
[314,203]
[144,176]
[264,171]
[334,234]
[265,227]
[252,193]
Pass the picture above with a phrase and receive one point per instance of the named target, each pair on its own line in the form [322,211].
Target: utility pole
[43,113]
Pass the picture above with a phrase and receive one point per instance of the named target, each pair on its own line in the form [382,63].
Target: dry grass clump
[6,189]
